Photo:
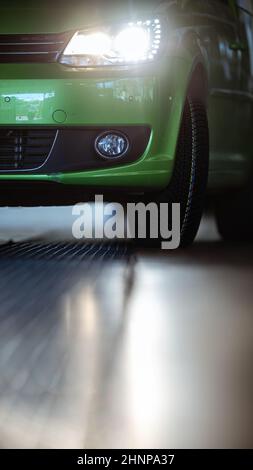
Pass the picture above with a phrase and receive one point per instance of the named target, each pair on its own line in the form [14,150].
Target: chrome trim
[28,53]
[37,43]
[45,46]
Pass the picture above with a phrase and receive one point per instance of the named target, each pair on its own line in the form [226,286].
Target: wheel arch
[198,83]
[191,47]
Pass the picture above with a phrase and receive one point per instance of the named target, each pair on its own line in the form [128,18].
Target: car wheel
[234,215]
[189,179]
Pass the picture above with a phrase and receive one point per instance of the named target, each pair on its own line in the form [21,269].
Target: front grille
[25,149]
[32,47]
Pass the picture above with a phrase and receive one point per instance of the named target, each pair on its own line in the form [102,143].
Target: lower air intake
[25,149]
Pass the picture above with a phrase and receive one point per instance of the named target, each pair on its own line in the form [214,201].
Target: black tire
[234,215]
[189,179]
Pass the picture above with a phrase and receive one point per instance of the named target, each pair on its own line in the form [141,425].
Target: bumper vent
[22,149]
[21,48]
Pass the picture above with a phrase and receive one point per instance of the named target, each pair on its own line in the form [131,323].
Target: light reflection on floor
[152,351]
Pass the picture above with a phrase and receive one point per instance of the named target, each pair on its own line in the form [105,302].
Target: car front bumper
[70,100]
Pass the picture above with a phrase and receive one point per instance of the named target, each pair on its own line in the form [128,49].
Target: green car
[150,99]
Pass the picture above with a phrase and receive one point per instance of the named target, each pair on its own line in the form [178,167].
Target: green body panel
[114,100]
[153,95]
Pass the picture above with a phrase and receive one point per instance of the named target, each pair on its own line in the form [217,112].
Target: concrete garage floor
[105,347]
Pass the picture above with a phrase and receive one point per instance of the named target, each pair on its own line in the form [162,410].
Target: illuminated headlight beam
[129,43]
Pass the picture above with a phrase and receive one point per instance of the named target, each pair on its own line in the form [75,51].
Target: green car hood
[33,16]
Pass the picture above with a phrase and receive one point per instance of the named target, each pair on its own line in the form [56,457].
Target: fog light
[111,145]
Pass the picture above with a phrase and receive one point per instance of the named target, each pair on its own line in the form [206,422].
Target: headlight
[125,44]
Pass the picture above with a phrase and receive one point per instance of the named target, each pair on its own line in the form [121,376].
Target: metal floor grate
[65,251]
